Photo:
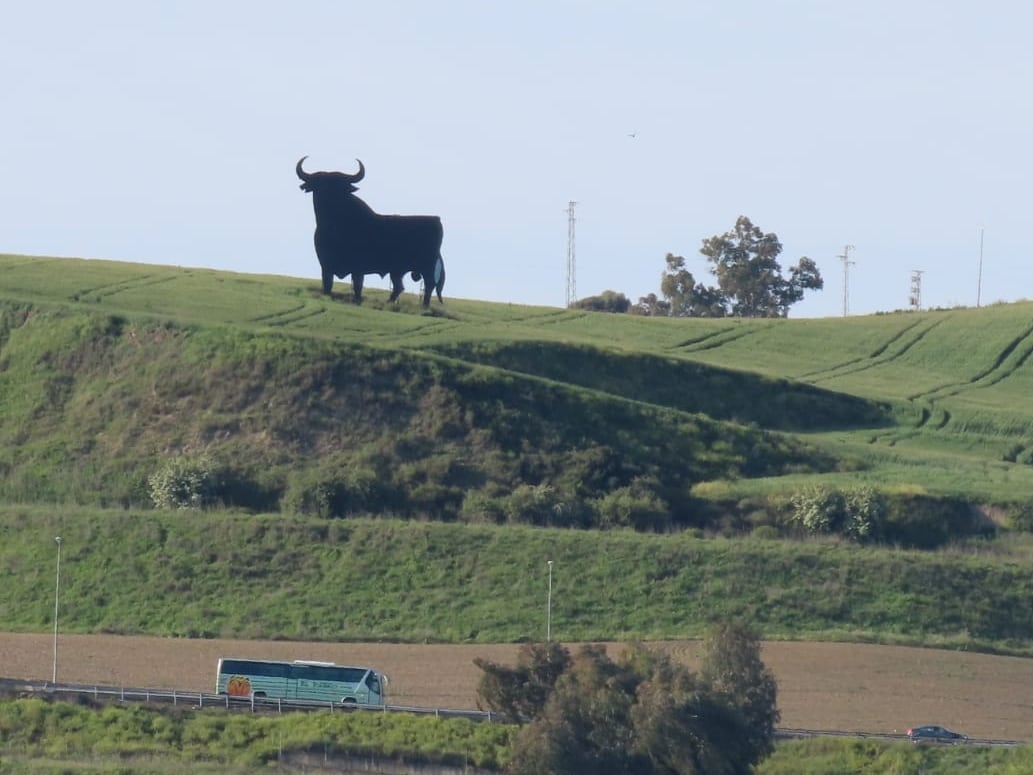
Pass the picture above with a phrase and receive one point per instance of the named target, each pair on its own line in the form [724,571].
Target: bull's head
[311,178]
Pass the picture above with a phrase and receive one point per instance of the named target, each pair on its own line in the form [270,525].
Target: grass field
[956,381]
[833,686]
[109,369]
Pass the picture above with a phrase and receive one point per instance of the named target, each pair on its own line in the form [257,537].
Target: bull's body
[352,239]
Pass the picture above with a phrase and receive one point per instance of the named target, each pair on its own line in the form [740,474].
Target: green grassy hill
[111,367]
[288,408]
[270,577]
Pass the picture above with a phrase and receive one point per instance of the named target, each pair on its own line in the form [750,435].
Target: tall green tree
[646,714]
[521,692]
[749,276]
[651,305]
[682,296]
[585,727]
[735,674]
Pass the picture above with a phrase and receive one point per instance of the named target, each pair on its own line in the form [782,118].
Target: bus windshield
[300,680]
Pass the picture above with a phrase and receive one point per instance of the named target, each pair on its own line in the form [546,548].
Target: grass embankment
[110,365]
[42,737]
[828,756]
[33,729]
[271,577]
[96,404]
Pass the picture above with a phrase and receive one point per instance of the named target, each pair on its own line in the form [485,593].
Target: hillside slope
[481,411]
[269,397]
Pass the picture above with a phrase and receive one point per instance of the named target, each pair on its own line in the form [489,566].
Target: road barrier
[15,687]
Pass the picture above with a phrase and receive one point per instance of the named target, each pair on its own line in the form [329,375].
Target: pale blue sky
[167,132]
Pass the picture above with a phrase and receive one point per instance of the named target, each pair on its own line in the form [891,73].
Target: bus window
[373,683]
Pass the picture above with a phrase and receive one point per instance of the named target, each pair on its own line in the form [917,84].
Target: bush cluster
[183,483]
[859,515]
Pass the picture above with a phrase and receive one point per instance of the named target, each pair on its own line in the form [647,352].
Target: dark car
[934,734]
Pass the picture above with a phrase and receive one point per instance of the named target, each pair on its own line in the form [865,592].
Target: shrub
[636,506]
[335,492]
[1021,517]
[534,505]
[865,514]
[927,522]
[765,533]
[859,515]
[183,483]
[478,506]
[817,510]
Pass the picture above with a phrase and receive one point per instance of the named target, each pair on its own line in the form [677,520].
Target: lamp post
[548,607]
[57,598]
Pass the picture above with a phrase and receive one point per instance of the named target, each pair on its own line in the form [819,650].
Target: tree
[651,306]
[734,673]
[607,301]
[745,262]
[683,296]
[648,715]
[521,692]
[585,727]
[678,286]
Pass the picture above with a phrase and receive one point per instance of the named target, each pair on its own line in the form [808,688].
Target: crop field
[955,380]
[830,686]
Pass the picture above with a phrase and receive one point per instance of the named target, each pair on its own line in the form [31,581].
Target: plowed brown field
[829,686]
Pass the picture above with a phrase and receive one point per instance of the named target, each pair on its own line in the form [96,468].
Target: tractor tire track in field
[715,339]
[997,372]
[557,316]
[110,289]
[290,316]
[931,416]
[878,357]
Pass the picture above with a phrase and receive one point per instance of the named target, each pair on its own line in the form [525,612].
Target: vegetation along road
[834,686]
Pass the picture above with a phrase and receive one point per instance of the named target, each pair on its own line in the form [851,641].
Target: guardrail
[205,700]
[9,686]
[787,733]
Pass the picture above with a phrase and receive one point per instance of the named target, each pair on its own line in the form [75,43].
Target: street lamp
[57,598]
[548,608]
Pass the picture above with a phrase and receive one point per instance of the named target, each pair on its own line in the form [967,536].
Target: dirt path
[821,685]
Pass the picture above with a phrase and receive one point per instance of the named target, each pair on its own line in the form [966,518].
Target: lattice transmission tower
[845,258]
[571,263]
[916,290]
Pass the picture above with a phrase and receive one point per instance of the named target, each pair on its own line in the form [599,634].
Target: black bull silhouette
[353,239]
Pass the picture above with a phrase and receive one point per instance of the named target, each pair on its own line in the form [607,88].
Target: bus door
[376,690]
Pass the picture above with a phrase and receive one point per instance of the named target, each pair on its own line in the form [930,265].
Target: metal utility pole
[571,265]
[916,289]
[979,284]
[845,258]
[57,597]
[548,608]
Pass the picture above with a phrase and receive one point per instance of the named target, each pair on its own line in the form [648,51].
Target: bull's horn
[301,173]
[358,175]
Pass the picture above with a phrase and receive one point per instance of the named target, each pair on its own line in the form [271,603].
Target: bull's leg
[328,280]
[357,279]
[396,285]
[439,278]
